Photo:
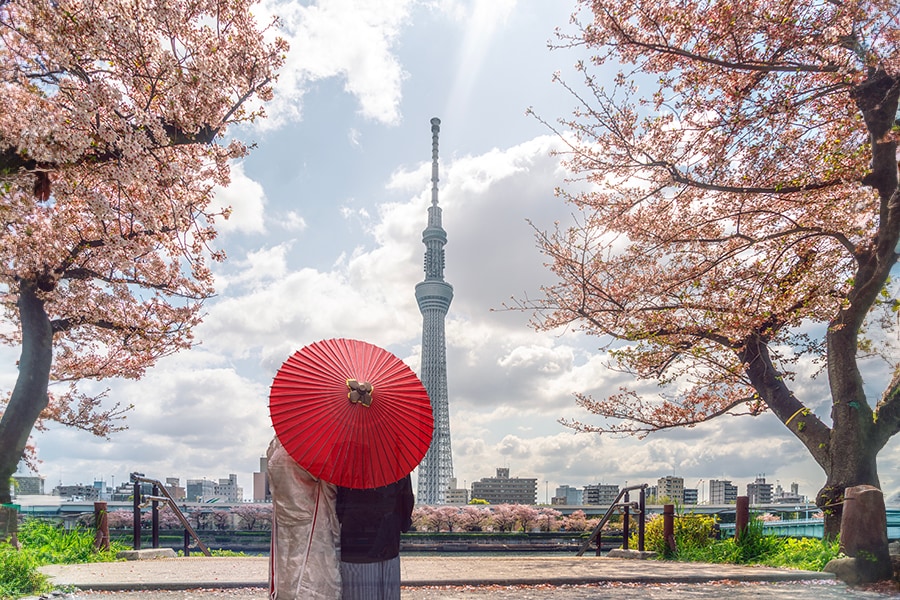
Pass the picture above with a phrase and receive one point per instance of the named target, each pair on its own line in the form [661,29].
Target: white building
[722,491]
[670,488]
[456,495]
[600,494]
[759,491]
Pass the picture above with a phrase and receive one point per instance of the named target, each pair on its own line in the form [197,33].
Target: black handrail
[166,497]
[639,508]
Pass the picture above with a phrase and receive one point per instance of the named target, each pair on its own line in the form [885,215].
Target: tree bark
[847,450]
[29,396]
[848,470]
[856,435]
[853,446]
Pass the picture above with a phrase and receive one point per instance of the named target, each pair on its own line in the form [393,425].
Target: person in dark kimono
[371,523]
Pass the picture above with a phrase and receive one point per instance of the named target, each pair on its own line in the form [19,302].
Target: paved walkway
[418,571]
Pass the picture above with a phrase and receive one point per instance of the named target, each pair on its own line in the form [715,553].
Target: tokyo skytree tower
[434,296]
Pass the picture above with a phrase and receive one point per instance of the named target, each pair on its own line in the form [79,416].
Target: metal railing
[154,499]
[624,505]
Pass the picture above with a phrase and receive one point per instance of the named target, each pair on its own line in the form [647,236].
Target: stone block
[620,553]
[864,533]
[844,569]
[146,554]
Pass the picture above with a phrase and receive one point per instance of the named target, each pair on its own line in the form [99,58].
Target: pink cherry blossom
[113,123]
[738,211]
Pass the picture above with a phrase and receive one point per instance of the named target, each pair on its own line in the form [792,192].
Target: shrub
[19,575]
[809,554]
[755,548]
[220,552]
[692,532]
[693,538]
[48,543]
[45,542]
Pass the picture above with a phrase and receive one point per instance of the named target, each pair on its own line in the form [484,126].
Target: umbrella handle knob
[360,393]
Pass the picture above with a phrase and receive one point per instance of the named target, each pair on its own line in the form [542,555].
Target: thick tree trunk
[856,434]
[847,450]
[854,443]
[29,396]
[847,471]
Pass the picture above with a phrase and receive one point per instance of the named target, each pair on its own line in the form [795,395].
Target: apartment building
[759,491]
[670,488]
[504,489]
[567,495]
[722,491]
[600,494]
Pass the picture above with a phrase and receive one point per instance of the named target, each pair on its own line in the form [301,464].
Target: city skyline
[542,497]
[325,241]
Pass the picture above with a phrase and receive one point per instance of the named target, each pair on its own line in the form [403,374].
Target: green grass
[19,575]
[694,544]
[43,543]
[809,554]
[50,544]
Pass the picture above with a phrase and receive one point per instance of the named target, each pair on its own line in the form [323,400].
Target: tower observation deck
[434,296]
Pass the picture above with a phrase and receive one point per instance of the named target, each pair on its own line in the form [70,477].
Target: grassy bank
[695,542]
[43,543]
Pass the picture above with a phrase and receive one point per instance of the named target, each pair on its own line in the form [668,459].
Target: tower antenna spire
[435,131]
[434,296]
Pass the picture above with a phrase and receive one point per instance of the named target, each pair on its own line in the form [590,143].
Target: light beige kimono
[305,559]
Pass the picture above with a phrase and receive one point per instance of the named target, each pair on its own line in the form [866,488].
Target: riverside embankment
[456,578]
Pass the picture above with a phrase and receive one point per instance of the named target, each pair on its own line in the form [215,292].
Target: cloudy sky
[325,241]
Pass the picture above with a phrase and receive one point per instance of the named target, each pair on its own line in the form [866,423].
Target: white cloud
[257,267]
[247,201]
[353,40]
[192,418]
[508,385]
[293,221]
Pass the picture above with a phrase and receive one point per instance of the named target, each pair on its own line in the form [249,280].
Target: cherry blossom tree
[421,518]
[120,519]
[222,519]
[254,516]
[200,519]
[168,519]
[438,518]
[475,518]
[548,518]
[112,137]
[738,212]
[446,518]
[526,516]
[503,517]
[577,521]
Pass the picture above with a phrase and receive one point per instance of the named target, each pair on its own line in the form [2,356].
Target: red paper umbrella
[351,413]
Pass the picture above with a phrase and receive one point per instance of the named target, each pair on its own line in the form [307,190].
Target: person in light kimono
[305,555]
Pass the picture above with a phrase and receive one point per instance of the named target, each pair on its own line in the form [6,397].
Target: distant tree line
[500,518]
[245,517]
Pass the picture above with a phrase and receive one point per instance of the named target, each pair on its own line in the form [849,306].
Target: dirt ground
[621,591]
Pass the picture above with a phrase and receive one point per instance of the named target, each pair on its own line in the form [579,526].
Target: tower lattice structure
[434,296]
